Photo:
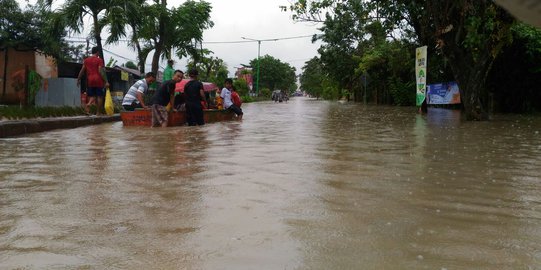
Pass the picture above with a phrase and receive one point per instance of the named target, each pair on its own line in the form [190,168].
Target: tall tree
[167,30]
[102,13]
[34,28]
[274,74]
[312,77]
[132,22]
[211,68]
[469,34]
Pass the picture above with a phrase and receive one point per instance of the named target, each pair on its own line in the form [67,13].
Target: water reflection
[440,195]
[303,185]
[117,200]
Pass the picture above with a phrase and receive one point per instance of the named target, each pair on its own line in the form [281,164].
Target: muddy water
[303,185]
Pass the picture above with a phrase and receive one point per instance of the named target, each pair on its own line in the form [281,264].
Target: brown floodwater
[303,185]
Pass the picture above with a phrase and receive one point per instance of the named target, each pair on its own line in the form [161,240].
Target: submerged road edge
[14,128]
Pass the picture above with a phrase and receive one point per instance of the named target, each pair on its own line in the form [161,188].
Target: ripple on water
[304,185]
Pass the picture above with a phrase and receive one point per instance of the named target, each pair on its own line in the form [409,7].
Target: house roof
[129,70]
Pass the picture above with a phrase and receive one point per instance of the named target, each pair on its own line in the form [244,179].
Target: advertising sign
[420,74]
[443,93]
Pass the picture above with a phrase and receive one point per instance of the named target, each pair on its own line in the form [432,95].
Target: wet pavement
[301,185]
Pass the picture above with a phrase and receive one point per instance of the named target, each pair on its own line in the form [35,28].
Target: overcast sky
[233,19]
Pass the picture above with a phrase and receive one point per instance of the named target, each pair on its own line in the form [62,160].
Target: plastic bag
[109,106]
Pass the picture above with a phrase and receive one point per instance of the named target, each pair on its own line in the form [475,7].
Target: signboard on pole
[420,73]
[443,93]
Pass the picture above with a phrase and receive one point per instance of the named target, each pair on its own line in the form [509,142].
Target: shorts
[159,115]
[95,92]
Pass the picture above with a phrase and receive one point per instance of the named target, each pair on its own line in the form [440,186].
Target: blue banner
[443,93]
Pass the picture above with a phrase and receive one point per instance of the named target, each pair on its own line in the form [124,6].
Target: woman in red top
[235,97]
[96,79]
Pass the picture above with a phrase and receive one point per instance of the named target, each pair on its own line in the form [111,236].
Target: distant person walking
[96,79]
[194,96]
[162,98]
[134,97]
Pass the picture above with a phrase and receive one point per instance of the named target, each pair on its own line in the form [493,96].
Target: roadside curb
[23,127]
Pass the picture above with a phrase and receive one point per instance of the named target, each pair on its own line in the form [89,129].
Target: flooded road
[303,185]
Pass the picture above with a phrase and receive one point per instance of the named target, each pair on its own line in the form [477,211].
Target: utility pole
[258,55]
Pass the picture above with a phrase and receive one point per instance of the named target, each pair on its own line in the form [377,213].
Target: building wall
[46,66]
[13,72]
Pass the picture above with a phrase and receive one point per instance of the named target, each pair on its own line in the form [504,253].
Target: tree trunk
[472,85]
[470,48]
[141,58]
[156,57]
[158,49]
[97,34]
[470,71]
[5,76]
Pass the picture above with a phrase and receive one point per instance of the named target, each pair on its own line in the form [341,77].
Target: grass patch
[248,99]
[16,112]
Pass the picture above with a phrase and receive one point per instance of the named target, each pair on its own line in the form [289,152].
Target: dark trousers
[194,114]
[235,109]
[132,107]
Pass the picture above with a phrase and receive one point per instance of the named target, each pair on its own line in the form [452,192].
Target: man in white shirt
[134,97]
[226,96]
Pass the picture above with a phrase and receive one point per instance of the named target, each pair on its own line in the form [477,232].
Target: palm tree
[101,12]
[135,15]
[166,29]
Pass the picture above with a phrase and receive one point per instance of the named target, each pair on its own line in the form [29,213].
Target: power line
[244,41]
[110,52]
[216,42]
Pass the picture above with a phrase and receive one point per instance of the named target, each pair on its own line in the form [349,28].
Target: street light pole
[257,79]
[258,55]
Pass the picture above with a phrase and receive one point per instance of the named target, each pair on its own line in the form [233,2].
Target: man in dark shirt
[194,94]
[162,98]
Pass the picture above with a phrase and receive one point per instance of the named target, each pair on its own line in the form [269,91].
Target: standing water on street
[300,185]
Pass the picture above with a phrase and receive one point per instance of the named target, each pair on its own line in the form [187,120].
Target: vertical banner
[420,74]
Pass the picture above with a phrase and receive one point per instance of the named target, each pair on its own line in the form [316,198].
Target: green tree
[132,21]
[515,88]
[166,30]
[469,33]
[34,28]
[242,87]
[111,63]
[211,68]
[102,13]
[274,74]
[312,77]
[130,64]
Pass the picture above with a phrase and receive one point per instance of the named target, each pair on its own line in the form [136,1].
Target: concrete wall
[59,92]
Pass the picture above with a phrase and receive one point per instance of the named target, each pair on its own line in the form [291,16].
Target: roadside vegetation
[17,112]
[368,48]
[366,54]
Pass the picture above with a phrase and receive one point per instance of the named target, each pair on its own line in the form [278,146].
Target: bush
[247,99]
[241,86]
[402,93]
[265,92]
